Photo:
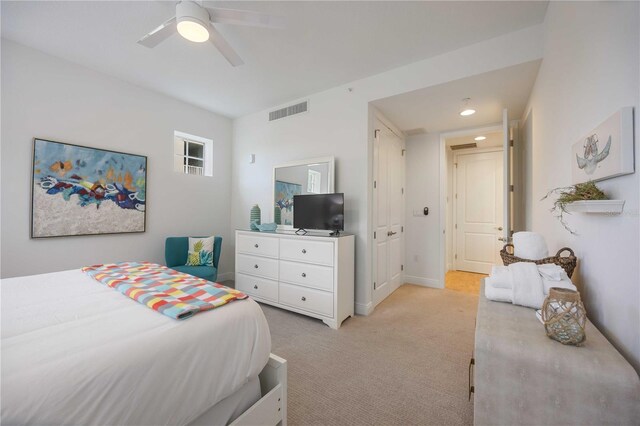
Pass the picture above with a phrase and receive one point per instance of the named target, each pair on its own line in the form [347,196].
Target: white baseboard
[364,308]
[226,276]
[426,282]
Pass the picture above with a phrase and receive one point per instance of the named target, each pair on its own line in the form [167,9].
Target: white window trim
[314,181]
[208,150]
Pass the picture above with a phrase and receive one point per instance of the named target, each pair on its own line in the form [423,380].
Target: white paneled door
[388,214]
[479,203]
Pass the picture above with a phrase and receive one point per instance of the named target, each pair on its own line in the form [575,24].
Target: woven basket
[568,263]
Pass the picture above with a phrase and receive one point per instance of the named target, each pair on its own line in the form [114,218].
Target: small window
[193,155]
[313,182]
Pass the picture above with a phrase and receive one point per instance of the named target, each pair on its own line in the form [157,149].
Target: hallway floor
[467,282]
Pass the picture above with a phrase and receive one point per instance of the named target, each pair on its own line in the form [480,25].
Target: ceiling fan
[195,22]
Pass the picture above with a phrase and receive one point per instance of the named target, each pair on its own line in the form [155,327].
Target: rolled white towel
[552,272]
[529,245]
[500,277]
[497,294]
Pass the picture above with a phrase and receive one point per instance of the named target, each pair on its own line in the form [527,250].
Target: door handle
[391,233]
[502,239]
[499,228]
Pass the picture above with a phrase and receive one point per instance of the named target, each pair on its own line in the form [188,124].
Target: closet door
[388,214]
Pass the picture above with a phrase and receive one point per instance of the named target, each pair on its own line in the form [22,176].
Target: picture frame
[607,151]
[80,190]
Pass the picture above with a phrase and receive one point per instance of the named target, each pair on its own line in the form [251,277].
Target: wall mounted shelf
[596,206]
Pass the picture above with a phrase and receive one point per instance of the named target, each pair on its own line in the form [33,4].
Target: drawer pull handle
[256,246]
[304,251]
[255,266]
[472,389]
[304,298]
[255,286]
[304,275]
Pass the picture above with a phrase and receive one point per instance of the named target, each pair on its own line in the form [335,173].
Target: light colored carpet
[405,364]
[467,282]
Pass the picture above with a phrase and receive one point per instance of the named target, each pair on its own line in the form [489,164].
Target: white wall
[46,97]
[422,233]
[340,123]
[590,70]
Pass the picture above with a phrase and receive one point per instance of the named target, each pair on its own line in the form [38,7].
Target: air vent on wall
[464,146]
[290,110]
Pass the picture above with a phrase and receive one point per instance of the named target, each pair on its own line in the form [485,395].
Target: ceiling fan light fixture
[193,31]
[192,22]
[466,109]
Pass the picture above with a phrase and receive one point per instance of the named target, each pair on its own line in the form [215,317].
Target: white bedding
[77,352]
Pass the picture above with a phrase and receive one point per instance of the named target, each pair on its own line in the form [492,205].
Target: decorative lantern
[564,316]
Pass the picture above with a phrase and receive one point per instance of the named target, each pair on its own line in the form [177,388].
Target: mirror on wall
[311,176]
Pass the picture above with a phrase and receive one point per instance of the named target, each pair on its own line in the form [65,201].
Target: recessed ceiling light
[192,22]
[479,138]
[466,108]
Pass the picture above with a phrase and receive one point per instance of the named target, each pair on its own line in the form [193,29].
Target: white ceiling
[436,109]
[324,45]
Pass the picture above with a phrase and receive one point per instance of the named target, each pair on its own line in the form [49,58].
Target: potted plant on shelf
[584,197]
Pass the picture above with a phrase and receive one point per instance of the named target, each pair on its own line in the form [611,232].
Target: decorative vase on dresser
[255,214]
[310,275]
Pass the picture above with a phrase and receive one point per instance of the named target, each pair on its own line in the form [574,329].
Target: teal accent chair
[175,255]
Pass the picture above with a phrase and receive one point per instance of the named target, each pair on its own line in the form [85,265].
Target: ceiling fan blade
[245,17]
[160,34]
[224,47]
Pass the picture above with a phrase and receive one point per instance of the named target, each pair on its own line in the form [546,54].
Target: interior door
[479,206]
[507,181]
[388,204]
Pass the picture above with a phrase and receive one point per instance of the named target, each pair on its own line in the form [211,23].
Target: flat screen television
[319,211]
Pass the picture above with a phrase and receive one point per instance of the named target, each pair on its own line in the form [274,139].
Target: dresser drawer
[259,287]
[306,274]
[254,244]
[255,265]
[319,252]
[320,302]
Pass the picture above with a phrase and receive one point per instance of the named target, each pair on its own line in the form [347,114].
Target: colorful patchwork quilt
[172,293]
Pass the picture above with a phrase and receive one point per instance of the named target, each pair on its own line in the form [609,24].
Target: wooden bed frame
[271,409]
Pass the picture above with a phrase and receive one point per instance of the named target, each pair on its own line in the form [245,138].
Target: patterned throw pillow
[200,252]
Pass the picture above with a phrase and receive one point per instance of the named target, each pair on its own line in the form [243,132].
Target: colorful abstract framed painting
[78,190]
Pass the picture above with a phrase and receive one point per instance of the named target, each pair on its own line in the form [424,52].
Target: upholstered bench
[521,377]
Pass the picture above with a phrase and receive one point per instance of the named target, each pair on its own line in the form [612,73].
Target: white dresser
[311,275]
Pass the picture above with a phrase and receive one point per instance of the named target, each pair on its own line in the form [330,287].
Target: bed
[77,352]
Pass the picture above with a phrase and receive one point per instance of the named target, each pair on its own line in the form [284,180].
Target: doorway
[475,211]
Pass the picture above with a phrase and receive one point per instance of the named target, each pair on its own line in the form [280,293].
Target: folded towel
[528,289]
[552,272]
[524,283]
[539,315]
[497,294]
[529,245]
[500,277]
